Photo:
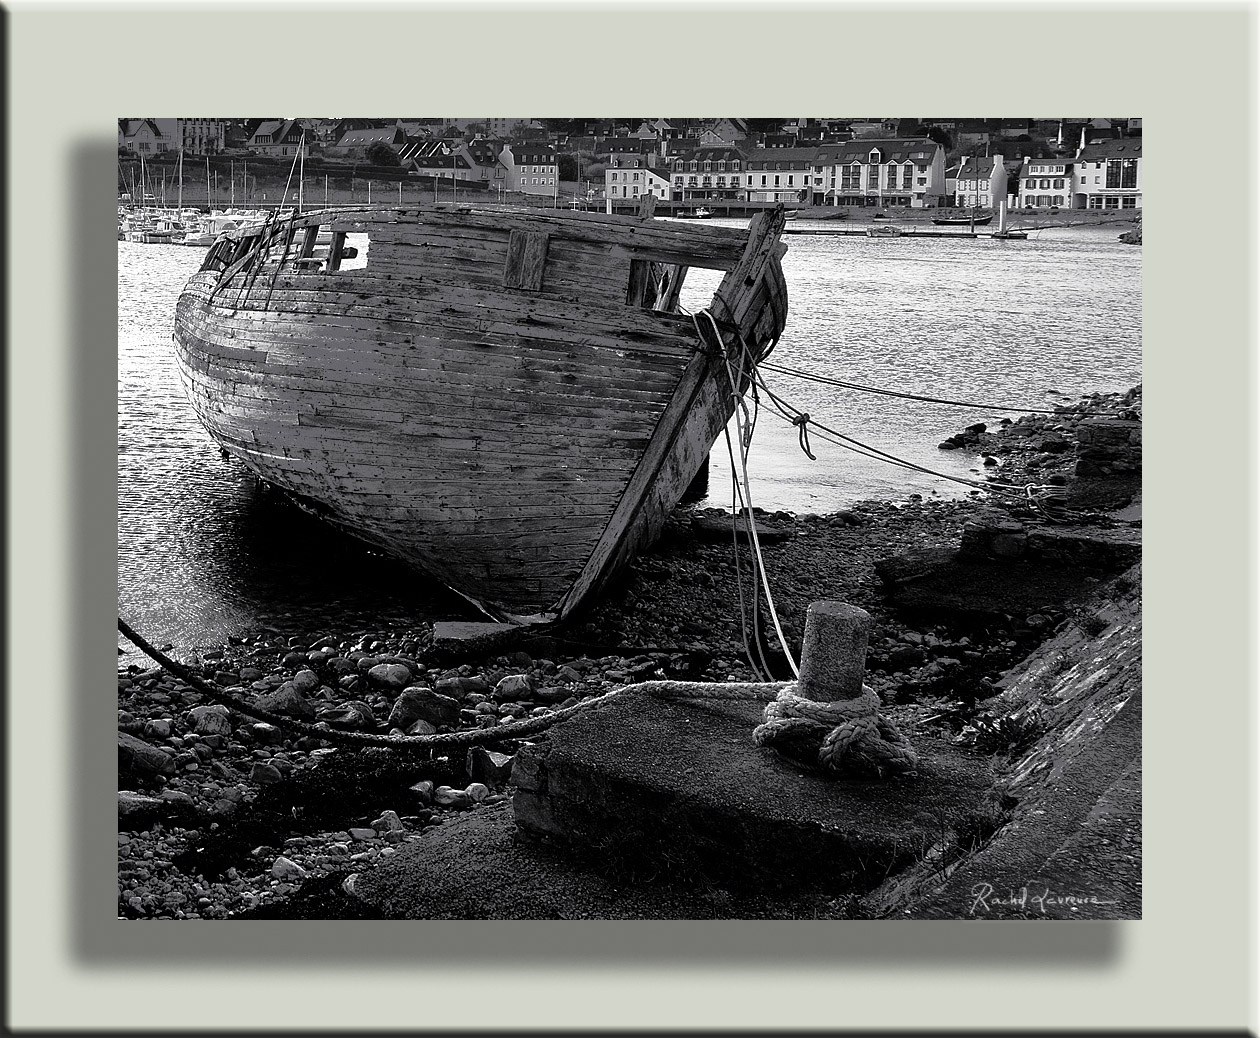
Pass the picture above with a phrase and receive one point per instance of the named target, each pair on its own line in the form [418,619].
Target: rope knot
[801,421]
[844,737]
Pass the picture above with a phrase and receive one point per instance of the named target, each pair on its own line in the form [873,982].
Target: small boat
[694,214]
[508,398]
[978,218]
[791,214]
[884,231]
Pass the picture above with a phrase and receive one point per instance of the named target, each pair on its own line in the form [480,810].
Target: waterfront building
[981,182]
[529,167]
[906,172]
[624,183]
[1046,184]
[1108,175]
[707,174]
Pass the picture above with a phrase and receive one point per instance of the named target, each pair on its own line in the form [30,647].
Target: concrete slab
[477,867]
[652,786]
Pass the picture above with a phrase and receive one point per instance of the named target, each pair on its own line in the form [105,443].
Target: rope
[796,417]
[824,380]
[844,737]
[740,408]
[802,420]
[500,733]
[848,736]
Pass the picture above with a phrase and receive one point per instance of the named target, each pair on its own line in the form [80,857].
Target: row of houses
[895,172]
[908,172]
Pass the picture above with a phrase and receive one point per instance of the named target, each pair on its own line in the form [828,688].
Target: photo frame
[1199,329]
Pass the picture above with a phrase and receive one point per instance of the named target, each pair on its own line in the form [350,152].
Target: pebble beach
[223,816]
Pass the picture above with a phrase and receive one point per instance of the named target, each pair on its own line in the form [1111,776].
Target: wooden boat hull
[505,398]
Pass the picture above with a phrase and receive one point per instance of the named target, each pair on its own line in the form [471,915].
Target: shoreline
[234,819]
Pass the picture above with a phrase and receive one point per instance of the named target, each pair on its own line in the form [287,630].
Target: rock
[341,666]
[362,833]
[445,796]
[137,812]
[158,728]
[287,700]
[422,727]
[287,869]
[263,774]
[306,681]
[210,720]
[293,659]
[388,822]
[459,686]
[390,675]
[424,791]
[265,734]
[488,767]
[355,714]
[478,791]
[136,755]
[514,686]
[716,525]
[423,704]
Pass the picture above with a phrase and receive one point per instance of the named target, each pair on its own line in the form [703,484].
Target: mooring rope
[499,733]
[745,437]
[826,381]
[847,735]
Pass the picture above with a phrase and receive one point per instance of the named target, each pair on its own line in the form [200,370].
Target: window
[1112,202]
[789,180]
[907,175]
[1058,182]
[763,180]
[1128,202]
[776,180]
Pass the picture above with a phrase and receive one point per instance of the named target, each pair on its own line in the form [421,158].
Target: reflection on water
[204,552]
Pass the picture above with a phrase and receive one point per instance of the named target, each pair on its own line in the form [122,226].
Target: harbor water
[204,552]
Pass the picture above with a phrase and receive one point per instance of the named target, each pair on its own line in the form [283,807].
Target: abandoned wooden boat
[508,398]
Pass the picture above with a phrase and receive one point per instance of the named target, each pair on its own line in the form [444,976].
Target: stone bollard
[833,653]
[830,720]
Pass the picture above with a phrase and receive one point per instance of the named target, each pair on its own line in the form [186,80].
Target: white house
[981,182]
[625,183]
[1108,175]
[1046,184]
[530,167]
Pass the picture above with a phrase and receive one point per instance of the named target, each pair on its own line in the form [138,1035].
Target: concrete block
[677,788]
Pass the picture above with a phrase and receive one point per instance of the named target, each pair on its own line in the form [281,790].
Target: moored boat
[964,218]
[507,398]
[884,231]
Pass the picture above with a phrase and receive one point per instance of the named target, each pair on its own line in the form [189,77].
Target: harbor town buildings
[833,163]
